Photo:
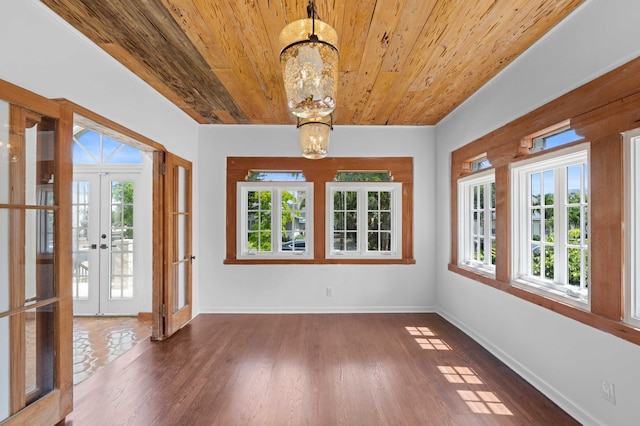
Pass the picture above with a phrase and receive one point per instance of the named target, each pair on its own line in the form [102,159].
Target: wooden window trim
[598,112]
[319,172]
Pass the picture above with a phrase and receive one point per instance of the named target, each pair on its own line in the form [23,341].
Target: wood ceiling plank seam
[412,23]
[126,59]
[207,92]
[218,23]
[402,61]
[253,37]
[293,10]
[75,15]
[402,43]
[334,15]
[428,80]
[188,17]
[355,30]
[442,83]
[383,24]
[192,23]
[378,96]
[90,28]
[422,52]
[150,34]
[486,64]
[273,20]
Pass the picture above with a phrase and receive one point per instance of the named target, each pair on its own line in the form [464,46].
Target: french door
[104,280]
[177,290]
[35,308]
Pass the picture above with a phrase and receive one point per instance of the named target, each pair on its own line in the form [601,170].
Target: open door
[177,292]
[35,305]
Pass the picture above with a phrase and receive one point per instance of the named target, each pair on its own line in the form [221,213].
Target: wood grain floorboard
[319,369]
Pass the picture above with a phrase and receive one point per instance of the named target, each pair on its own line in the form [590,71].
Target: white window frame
[243,188]
[520,227]
[362,188]
[631,141]
[465,222]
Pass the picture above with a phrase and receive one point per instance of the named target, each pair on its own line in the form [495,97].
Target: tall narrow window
[632,224]
[276,219]
[364,220]
[550,225]
[477,227]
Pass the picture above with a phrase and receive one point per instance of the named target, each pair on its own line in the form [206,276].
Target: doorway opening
[111,247]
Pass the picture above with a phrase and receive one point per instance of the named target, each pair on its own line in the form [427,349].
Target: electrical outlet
[329,291]
[608,392]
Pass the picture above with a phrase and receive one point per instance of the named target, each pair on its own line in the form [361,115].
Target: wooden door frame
[55,405]
[103,125]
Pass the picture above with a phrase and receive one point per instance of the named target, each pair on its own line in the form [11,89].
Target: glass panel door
[119,294]
[178,214]
[34,313]
[85,240]
[103,244]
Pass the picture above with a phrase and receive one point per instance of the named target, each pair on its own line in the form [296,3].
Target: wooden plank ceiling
[402,62]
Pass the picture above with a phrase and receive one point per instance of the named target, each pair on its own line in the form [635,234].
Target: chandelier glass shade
[309,60]
[314,136]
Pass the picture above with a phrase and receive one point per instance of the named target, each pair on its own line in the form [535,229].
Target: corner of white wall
[565,359]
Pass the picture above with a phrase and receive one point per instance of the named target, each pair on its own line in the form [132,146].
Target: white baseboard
[536,381]
[315,309]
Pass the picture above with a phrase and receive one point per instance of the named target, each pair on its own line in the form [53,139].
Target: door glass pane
[4,260]
[181,283]
[80,239]
[5,153]
[31,269]
[121,250]
[38,253]
[37,156]
[182,232]
[5,370]
[180,286]
[182,191]
[40,344]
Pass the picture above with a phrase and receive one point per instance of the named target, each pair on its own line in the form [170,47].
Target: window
[363,220]
[379,230]
[632,236]
[550,225]
[477,226]
[90,147]
[554,139]
[575,251]
[276,219]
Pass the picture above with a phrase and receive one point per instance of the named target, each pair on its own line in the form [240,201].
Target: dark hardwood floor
[333,369]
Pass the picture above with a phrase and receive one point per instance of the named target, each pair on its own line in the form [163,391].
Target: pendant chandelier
[309,60]
[314,136]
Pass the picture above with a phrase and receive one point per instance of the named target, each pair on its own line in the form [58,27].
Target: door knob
[103,246]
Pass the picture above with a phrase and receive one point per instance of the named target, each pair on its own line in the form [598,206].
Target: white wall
[42,53]
[301,288]
[565,359]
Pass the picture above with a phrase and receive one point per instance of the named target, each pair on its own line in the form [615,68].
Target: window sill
[617,328]
[480,270]
[551,293]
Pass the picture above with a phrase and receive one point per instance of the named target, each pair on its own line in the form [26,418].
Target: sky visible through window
[90,147]
[269,176]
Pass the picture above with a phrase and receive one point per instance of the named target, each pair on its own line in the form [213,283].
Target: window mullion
[487,223]
[363,209]
[560,225]
[523,240]
[276,220]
